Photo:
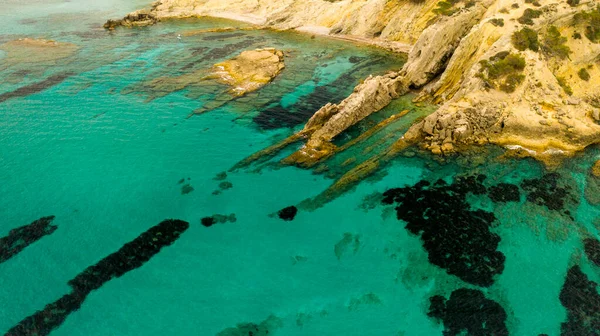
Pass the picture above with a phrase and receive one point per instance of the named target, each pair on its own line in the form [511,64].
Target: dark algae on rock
[592,250]
[504,192]
[549,192]
[456,237]
[580,297]
[129,257]
[469,310]
[18,239]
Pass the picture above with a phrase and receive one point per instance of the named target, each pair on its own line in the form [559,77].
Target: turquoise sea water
[105,155]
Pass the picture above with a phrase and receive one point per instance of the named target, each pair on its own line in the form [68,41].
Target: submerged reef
[456,237]
[580,297]
[468,310]
[18,239]
[550,191]
[36,86]
[129,257]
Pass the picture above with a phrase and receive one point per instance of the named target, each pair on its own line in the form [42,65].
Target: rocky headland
[520,74]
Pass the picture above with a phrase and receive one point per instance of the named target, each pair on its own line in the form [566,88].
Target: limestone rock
[249,71]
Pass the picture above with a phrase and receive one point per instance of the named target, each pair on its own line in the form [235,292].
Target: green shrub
[563,84]
[584,74]
[577,36]
[446,7]
[497,22]
[528,16]
[573,3]
[533,2]
[503,71]
[526,38]
[554,44]
[591,21]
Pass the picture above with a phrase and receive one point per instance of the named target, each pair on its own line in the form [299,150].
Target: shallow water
[110,158]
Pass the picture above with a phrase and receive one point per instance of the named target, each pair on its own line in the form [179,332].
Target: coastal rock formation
[523,76]
[140,18]
[249,71]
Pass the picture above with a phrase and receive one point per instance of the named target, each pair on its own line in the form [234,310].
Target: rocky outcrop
[249,71]
[141,18]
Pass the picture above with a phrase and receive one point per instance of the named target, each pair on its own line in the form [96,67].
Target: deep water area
[121,213]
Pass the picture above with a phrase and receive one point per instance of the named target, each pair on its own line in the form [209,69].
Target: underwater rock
[288,213]
[139,18]
[580,297]
[249,71]
[367,299]
[29,51]
[186,189]
[225,185]
[349,243]
[469,312]
[548,191]
[267,327]
[457,238]
[220,176]
[35,87]
[592,189]
[218,219]
[596,169]
[592,250]
[504,192]
[129,257]
[18,239]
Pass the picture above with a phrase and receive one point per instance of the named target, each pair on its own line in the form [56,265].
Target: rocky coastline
[548,106]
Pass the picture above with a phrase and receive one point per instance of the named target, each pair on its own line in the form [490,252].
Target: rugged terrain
[522,74]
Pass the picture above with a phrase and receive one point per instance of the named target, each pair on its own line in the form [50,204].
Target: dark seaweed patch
[504,192]
[21,237]
[469,310]
[592,250]
[457,238]
[288,213]
[218,219]
[35,87]
[580,298]
[129,257]
[546,191]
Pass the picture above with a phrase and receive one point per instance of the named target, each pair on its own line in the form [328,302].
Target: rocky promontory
[524,75]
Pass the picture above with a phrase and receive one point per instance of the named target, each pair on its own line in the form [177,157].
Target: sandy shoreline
[313,30]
